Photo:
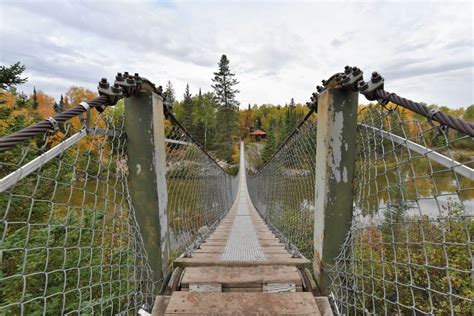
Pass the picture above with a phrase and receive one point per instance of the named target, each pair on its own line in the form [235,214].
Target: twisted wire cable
[439,116]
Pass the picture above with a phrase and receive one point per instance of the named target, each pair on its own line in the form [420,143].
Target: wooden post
[335,159]
[144,125]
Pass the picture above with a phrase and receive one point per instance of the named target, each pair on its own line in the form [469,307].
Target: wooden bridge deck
[242,268]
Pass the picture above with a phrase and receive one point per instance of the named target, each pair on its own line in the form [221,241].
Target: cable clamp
[85,105]
[54,124]
[432,113]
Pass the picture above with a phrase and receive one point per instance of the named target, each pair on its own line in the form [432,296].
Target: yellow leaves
[7,100]
[76,95]
[45,105]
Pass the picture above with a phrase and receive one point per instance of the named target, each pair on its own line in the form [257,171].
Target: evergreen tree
[35,103]
[21,100]
[58,107]
[227,116]
[224,82]
[187,117]
[290,120]
[258,123]
[169,93]
[10,76]
[62,102]
[270,144]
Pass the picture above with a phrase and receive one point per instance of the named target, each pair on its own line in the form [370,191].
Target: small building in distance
[258,135]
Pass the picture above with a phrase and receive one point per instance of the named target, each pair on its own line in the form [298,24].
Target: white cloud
[278,50]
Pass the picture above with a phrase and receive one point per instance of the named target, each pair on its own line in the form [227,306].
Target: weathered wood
[279,287]
[173,283]
[161,302]
[241,276]
[272,249]
[215,260]
[323,305]
[205,287]
[191,303]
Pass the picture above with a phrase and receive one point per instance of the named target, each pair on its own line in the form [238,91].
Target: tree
[187,115]
[76,95]
[227,118]
[270,144]
[204,118]
[169,93]
[34,99]
[469,114]
[290,120]
[45,105]
[59,107]
[224,82]
[10,76]
[21,100]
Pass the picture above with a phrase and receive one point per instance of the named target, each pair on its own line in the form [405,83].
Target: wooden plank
[192,303]
[273,249]
[205,287]
[279,287]
[213,260]
[241,276]
[174,281]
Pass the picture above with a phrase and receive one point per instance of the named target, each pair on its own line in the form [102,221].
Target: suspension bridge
[116,209]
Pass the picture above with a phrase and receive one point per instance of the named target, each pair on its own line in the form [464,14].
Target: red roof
[258,132]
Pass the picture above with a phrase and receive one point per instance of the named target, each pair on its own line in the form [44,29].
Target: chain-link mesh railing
[283,190]
[410,249]
[69,240]
[200,192]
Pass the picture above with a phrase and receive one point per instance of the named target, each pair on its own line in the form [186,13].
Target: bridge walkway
[242,268]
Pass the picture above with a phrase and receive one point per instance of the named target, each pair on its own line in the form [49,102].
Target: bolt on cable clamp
[368,88]
[351,77]
[126,82]
[113,93]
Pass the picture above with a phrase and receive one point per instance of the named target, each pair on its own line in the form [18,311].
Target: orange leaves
[45,105]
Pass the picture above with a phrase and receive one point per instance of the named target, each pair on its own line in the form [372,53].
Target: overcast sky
[278,50]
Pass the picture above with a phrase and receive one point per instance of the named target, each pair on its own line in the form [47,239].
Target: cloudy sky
[278,50]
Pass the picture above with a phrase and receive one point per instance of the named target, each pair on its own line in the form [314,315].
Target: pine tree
[270,144]
[35,103]
[10,76]
[58,107]
[290,119]
[224,82]
[227,116]
[169,93]
[187,118]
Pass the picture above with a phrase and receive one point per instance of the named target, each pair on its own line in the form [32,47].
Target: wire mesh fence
[200,192]
[410,248]
[283,190]
[69,240]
